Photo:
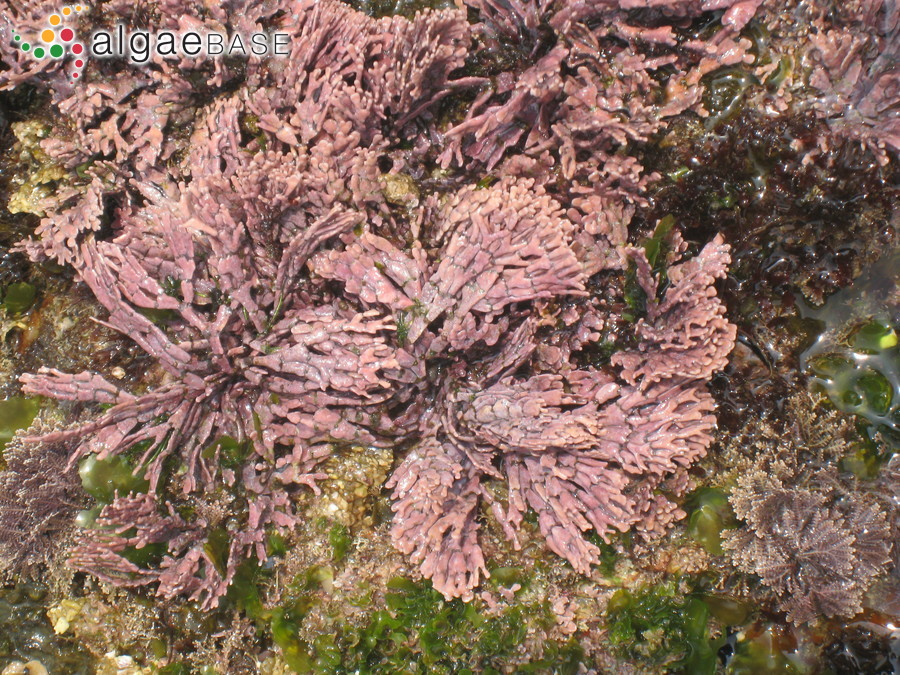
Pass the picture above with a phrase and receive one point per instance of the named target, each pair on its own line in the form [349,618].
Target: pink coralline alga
[291,310]
[582,448]
[855,70]
[188,565]
[686,333]
[611,75]
[838,62]
[205,271]
[348,86]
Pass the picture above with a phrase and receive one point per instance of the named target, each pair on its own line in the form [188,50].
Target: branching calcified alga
[290,309]
[208,277]
[583,448]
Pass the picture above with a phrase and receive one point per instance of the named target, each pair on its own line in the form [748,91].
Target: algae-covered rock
[30,668]
[122,664]
[63,614]
[355,478]
[27,635]
[32,187]
[400,190]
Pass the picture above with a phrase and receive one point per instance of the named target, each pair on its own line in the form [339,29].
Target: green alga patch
[761,652]
[16,413]
[710,514]
[103,479]
[854,361]
[415,631]
[340,539]
[232,453]
[19,297]
[723,94]
[660,626]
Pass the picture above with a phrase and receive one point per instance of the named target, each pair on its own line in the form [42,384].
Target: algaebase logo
[57,41]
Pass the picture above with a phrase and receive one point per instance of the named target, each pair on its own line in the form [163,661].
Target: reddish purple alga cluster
[855,71]
[584,448]
[293,307]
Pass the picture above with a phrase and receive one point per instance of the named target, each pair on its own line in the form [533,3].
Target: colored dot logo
[55,41]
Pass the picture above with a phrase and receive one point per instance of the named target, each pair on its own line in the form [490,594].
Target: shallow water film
[474,336]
